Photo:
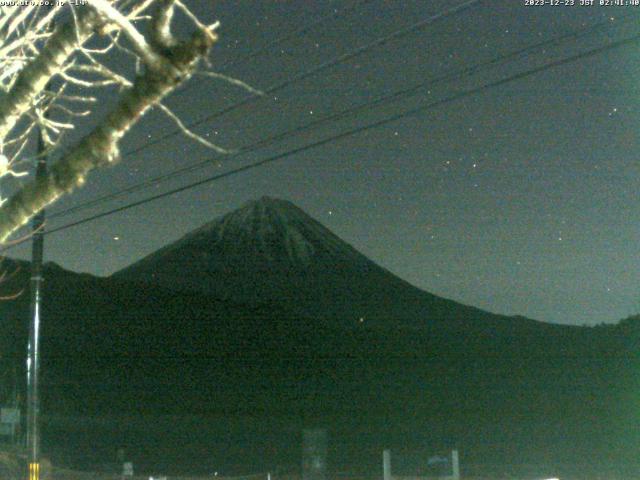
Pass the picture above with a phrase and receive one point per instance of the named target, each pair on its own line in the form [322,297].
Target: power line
[296,33]
[381,100]
[318,68]
[339,136]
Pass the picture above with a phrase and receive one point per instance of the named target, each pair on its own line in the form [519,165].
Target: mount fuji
[265,321]
[271,252]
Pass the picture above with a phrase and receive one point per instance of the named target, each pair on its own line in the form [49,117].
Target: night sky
[521,199]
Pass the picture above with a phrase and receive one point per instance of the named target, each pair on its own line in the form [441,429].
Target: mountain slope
[270,251]
[250,377]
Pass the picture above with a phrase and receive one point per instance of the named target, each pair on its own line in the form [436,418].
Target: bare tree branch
[140,45]
[190,133]
[33,78]
[100,147]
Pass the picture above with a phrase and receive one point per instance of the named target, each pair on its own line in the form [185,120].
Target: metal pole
[33,348]
[314,454]
[386,465]
[455,465]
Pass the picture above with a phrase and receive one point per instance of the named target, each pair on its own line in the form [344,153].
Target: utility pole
[33,348]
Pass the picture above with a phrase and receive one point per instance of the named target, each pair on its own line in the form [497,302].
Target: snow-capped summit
[264,235]
[271,231]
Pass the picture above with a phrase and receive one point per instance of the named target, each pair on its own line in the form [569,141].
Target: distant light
[116,238]
[361,320]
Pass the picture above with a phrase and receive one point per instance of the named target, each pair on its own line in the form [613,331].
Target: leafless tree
[49,77]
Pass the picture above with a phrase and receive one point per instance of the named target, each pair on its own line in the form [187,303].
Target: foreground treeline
[184,380]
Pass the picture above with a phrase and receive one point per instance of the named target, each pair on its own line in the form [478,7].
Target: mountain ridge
[496,387]
[269,250]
